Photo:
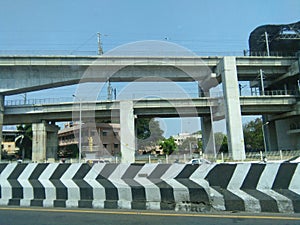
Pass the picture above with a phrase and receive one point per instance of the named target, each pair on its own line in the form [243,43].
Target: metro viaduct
[28,73]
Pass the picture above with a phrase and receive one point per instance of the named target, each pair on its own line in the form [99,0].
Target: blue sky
[202,26]
[206,27]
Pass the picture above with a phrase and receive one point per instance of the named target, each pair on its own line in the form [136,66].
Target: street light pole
[80,134]
[264,136]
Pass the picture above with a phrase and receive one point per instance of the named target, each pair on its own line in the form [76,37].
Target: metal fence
[16,102]
[276,93]
[46,52]
[35,101]
[271,53]
[137,53]
[281,155]
[269,156]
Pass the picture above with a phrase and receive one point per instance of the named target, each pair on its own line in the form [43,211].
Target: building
[275,40]
[97,140]
[188,147]
[179,139]
[8,142]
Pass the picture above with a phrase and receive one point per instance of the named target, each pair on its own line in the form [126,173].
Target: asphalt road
[42,216]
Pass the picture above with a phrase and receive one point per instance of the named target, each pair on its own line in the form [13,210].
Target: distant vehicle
[198,161]
[94,161]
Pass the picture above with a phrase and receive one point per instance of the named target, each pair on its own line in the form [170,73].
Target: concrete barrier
[271,187]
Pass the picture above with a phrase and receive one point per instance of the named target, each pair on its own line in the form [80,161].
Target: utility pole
[109,91]
[25,98]
[80,129]
[264,134]
[100,50]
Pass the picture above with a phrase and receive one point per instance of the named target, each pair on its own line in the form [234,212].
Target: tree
[168,145]
[253,135]
[24,141]
[221,142]
[148,132]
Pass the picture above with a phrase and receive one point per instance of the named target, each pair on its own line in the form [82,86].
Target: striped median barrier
[124,186]
[271,187]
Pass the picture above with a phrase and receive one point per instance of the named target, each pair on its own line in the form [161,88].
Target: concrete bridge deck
[28,73]
[21,74]
[195,107]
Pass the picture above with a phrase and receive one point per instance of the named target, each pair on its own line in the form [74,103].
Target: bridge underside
[23,74]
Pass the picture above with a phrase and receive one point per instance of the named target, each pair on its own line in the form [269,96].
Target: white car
[198,161]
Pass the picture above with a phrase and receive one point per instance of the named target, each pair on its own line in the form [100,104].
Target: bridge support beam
[270,135]
[44,141]
[1,122]
[228,71]
[127,129]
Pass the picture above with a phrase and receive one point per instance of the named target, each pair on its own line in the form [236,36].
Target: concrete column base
[228,71]
[44,142]
[207,136]
[127,132]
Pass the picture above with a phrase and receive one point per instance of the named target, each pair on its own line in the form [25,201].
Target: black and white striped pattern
[126,186]
[271,187]
[232,187]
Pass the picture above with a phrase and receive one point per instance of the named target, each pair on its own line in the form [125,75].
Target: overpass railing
[16,102]
[32,52]
[276,92]
[36,101]
[271,53]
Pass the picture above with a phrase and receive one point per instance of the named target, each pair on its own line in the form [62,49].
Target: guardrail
[47,52]
[276,93]
[200,53]
[272,53]
[220,157]
[17,102]
[260,155]
[35,101]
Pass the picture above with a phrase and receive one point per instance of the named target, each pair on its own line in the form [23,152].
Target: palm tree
[24,141]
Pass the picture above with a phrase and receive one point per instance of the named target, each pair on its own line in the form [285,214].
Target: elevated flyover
[106,110]
[21,74]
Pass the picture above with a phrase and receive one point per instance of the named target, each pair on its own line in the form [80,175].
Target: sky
[200,25]
[206,27]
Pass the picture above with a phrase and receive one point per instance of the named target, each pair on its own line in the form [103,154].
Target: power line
[92,36]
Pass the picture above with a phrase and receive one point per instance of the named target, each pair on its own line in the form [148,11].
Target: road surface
[54,216]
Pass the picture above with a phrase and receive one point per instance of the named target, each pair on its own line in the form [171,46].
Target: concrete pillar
[39,139]
[271,136]
[52,141]
[227,68]
[127,130]
[44,141]
[1,121]
[207,136]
